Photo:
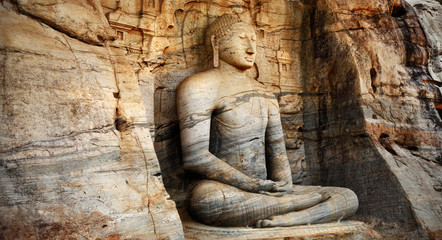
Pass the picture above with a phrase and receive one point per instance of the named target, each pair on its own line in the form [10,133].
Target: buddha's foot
[286,220]
[280,221]
[325,196]
[295,218]
[299,202]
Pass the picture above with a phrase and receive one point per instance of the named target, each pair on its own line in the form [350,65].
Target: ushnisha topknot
[221,27]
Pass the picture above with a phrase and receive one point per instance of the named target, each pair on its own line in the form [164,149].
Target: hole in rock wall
[398,11]
[413,148]
[373,75]
[386,142]
[383,135]
[121,124]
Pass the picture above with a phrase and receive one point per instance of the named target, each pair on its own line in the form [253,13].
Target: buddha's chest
[242,111]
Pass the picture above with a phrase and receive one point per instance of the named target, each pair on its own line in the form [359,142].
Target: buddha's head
[233,42]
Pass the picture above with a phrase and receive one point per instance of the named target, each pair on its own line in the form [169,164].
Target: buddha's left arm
[278,167]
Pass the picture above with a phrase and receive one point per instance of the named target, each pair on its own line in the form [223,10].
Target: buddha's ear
[215,48]
[213,40]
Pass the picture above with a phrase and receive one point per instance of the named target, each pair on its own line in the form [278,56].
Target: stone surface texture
[370,119]
[358,84]
[428,13]
[346,230]
[84,20]
[77,160]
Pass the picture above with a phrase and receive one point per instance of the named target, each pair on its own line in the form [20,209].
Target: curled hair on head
[221,27]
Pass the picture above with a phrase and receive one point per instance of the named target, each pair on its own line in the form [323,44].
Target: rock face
[428,13]
[83,82]
[77,160]
[371,123]
[80,19]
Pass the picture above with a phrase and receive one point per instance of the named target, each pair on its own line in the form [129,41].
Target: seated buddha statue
[231,136]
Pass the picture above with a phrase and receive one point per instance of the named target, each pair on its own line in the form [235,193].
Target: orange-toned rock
[76,157]
[80,19]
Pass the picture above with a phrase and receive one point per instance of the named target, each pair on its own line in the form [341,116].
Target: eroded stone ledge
[336,230]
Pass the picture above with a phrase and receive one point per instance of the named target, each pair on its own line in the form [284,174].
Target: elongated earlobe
[216,57]
[215,48]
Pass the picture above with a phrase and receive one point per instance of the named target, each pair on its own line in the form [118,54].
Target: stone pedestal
[335,230]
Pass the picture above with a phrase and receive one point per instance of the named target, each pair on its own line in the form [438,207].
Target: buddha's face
[238,48]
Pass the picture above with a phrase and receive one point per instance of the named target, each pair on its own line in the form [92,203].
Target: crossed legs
[219,204]
[342,204]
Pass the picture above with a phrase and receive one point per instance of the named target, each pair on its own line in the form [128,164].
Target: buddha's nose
[250,47]
[250,50]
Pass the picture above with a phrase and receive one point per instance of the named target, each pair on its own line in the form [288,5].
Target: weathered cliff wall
[76,158]
[370,119]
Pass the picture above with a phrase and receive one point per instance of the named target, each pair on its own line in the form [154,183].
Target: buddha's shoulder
[264,89]
[203,81]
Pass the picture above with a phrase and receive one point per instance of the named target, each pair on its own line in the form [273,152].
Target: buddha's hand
[263,185]
[280,188]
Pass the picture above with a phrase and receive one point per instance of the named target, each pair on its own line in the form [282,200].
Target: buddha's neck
[231,72]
